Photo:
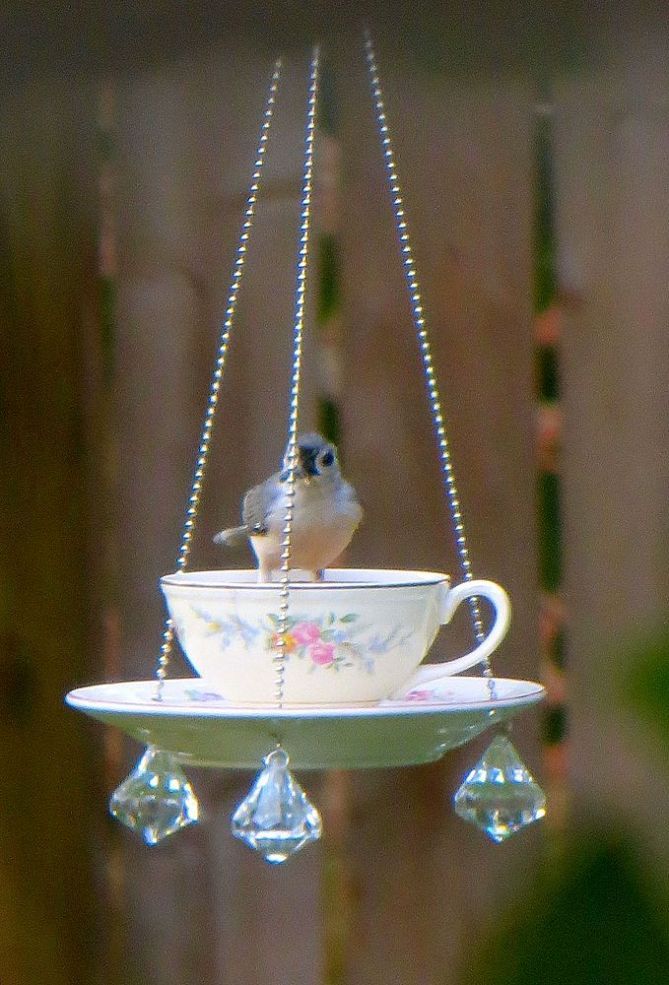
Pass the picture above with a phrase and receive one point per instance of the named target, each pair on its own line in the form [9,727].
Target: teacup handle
[495,594]
[451,599]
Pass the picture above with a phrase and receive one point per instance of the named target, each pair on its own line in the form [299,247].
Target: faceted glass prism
[499,795]
[156,799]
[276,819]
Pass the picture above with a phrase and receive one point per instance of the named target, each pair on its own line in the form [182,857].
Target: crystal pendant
[499,795]
[276,818]
[156,799]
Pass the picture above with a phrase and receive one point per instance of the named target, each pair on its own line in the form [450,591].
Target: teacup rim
[216,578]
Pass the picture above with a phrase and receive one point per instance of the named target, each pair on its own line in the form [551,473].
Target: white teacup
[356,637]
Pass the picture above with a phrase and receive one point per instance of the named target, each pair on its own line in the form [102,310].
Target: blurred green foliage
[550,531]
[329,419]
[592,917]
[329,293]
[646,685]
[553,725]
[548,373]
[545,279]
[328,111]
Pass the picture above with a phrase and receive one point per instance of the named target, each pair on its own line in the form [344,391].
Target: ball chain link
[279,659]
[425,347]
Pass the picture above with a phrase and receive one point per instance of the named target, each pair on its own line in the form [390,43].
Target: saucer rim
[534,693]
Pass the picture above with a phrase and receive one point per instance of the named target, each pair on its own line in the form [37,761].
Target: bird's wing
[257,505]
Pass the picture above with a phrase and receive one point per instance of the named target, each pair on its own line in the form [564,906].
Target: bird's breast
[322,526]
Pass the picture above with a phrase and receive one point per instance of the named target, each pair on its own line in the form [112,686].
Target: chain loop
[298,327]
[420,324]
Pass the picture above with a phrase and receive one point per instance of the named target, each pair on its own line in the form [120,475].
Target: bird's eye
[327,459]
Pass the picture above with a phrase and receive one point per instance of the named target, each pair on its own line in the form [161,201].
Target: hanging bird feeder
[324,674]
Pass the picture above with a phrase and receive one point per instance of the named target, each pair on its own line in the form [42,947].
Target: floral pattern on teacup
[227,632]
[329,642]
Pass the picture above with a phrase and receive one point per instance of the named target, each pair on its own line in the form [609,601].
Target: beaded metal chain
[298,329]
[425,347]
[214,390]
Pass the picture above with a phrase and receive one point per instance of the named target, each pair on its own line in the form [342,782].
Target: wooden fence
[100,417]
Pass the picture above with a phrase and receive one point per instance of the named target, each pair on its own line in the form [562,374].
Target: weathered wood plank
[49,823]
[203,907]
[613,195]
[425,882]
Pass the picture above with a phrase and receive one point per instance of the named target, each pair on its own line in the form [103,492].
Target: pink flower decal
[332,641]
[305,633]
[322,653]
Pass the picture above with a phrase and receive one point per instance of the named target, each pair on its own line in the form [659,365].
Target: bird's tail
[234,537]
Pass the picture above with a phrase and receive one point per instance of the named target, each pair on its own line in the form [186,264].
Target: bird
[326,512]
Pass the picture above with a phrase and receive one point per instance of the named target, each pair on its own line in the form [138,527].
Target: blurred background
[533,146]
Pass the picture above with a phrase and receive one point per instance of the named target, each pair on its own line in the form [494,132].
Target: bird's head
[316,460]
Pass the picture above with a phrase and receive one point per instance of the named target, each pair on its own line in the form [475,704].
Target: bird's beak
[308,463]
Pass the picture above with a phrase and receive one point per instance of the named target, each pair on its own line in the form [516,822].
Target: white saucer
[195,722]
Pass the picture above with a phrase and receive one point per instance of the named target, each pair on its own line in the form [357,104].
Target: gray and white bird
[326,512]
